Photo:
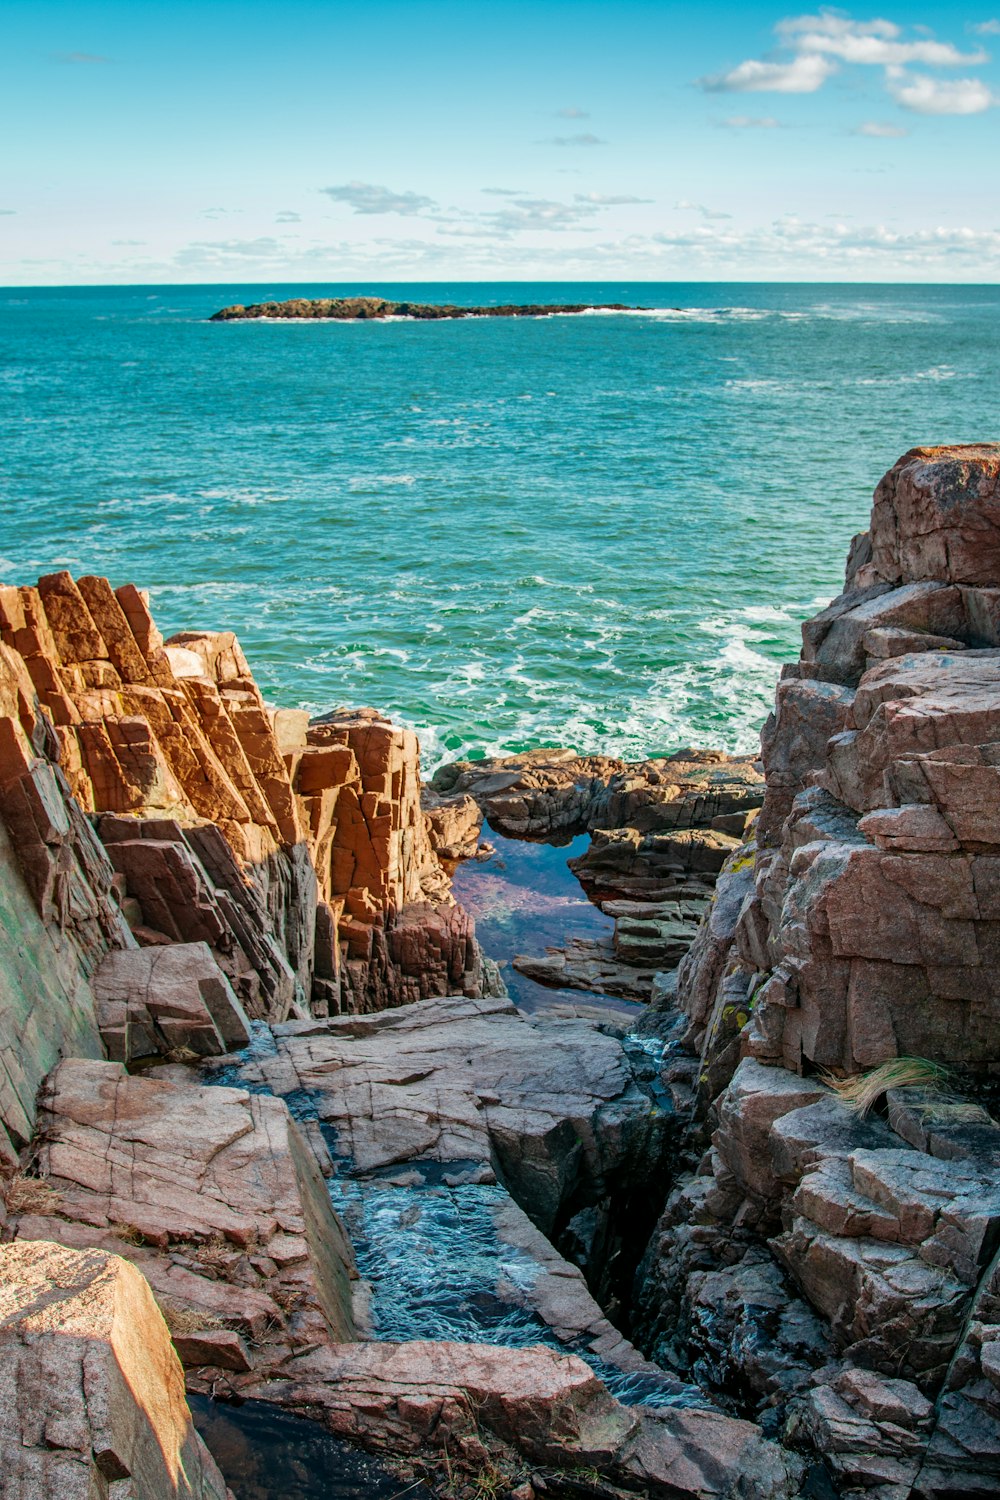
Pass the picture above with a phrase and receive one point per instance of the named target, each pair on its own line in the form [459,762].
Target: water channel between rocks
[426,1241]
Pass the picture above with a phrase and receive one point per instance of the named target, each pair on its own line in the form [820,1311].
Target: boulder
[164,998]
[91,1392]
[937,516]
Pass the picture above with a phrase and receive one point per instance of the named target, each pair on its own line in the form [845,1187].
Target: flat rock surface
[212,1192]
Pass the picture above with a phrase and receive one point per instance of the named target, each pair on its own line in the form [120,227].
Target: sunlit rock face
[838,1271]
[152,798]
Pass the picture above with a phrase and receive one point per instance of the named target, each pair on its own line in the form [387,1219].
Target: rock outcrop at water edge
[181,870]
[832,1271]
[367,309]
[660,832]
[152,798]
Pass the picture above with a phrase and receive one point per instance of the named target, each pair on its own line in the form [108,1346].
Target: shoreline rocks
[184,872]
[837,1270]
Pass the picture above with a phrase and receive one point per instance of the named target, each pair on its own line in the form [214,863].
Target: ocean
[600,531]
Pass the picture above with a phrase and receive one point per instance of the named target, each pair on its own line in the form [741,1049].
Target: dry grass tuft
[945,1111]
[862,1091]
[127,1233]
[183,1321]
[29,1195]
[182,1055]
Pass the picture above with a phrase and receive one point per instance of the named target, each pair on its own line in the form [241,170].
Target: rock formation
[838,1272]
[798,1145]
[660,831]
[360,309]
[185,872]
[91,1392]
[151,798]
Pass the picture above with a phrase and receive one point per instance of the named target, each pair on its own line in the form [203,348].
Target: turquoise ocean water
[600,531]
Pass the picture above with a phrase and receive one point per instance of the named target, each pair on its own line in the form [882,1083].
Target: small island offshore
[357,309]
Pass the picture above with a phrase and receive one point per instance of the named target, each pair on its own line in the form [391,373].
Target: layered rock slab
[92,1398]
[213,1193]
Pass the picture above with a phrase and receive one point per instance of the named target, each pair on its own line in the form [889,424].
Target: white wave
[381,481]
[917,377]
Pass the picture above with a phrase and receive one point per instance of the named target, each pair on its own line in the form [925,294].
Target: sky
[425,140]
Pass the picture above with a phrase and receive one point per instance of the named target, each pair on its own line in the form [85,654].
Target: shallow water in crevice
[425,1235]
[525,898]
[269,1454]
[430,1249]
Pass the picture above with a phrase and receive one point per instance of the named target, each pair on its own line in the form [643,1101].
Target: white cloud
[792,241]
[699,208]
[986,28]
[264,250]
[881,130]
[819,45]
[750,122]
[288,216]
[370,198]
[608,200]
[572,114]
[874,43]
[584,139]
[802,75]
[85,58]
[934,96]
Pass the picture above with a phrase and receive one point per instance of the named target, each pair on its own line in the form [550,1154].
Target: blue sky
[428,140]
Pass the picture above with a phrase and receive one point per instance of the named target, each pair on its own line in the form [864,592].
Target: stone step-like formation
[212,1193]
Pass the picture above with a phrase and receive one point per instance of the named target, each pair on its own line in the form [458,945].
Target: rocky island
[271,1131]
[360,309]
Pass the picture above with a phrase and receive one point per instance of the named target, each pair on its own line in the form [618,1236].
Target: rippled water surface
[601,531]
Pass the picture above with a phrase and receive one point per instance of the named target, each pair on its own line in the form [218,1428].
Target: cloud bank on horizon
[865,153]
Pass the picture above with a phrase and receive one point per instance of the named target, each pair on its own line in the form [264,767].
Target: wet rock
[91,1392]
[591,965]
[554,1108]
[552,793]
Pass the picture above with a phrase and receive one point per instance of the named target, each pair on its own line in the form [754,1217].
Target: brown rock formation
[842,1270]
[212,1193]
[297,852]
[91,1391]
